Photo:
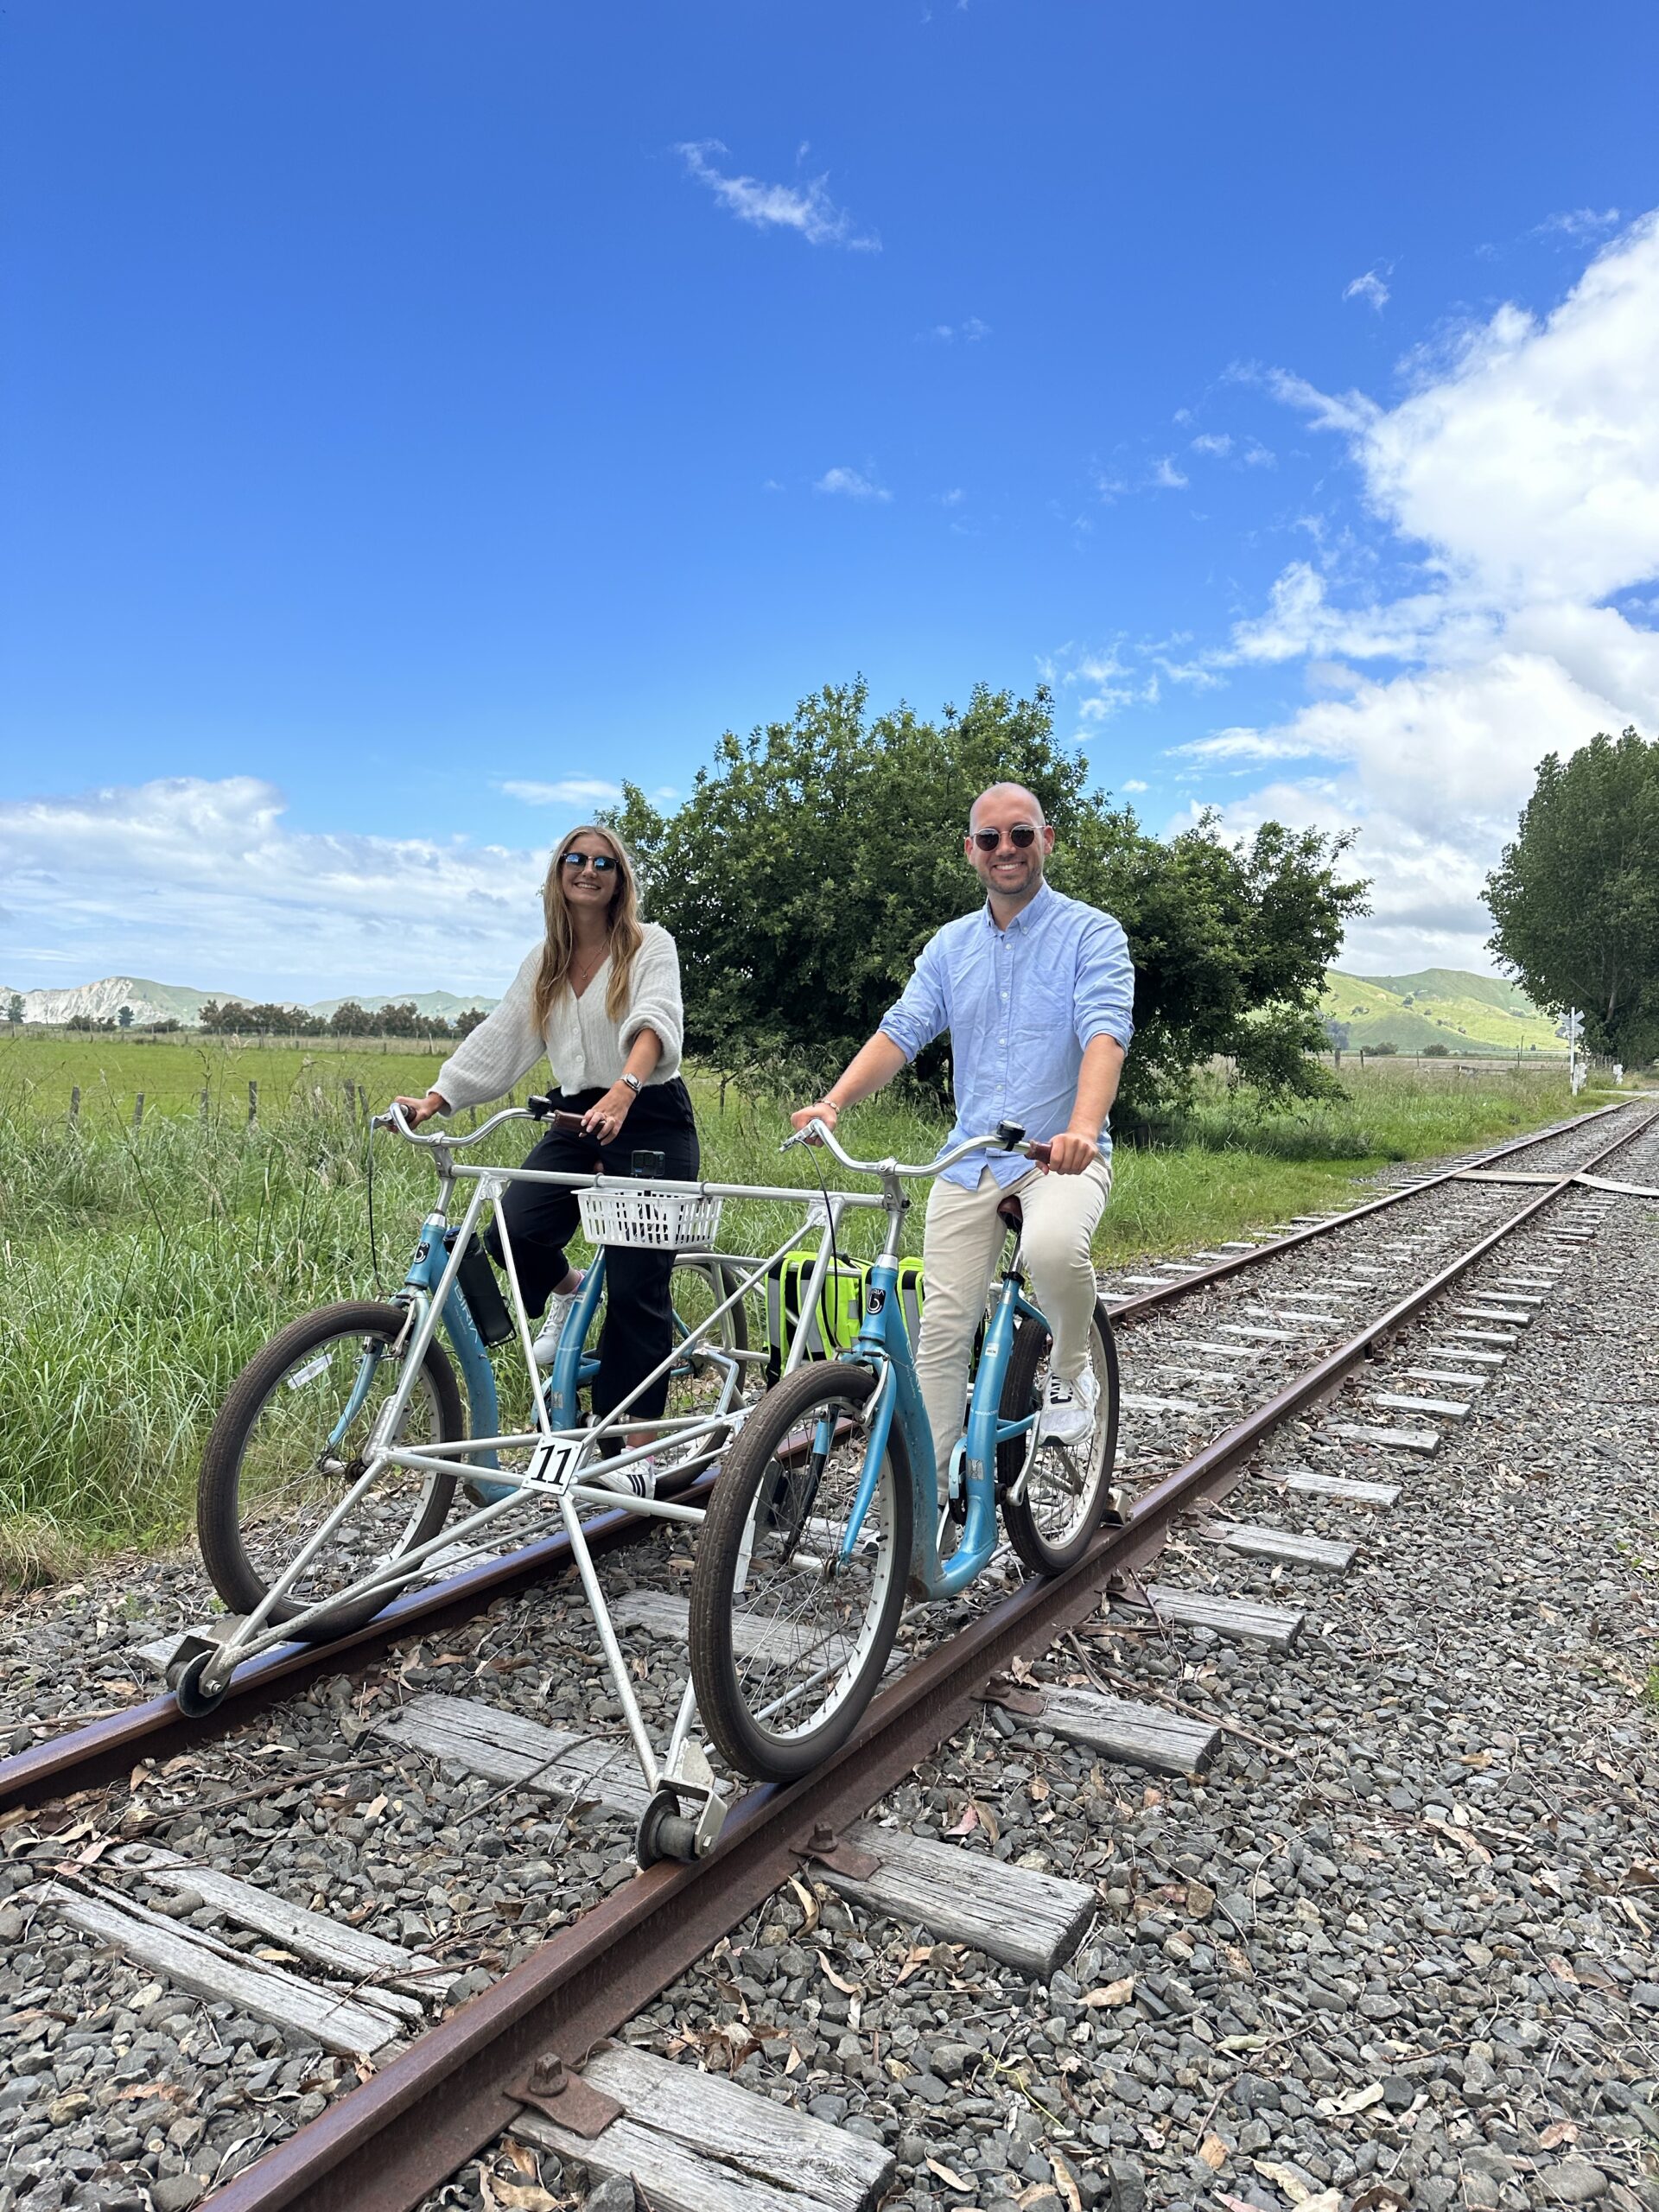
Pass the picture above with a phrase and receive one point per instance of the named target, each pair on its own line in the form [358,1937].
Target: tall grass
[142,1270]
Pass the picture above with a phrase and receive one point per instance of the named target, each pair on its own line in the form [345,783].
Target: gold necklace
[582,981]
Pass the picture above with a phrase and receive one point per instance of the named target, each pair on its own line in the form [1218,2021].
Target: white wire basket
[660,1221]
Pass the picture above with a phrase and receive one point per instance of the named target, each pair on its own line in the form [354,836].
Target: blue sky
[414,416]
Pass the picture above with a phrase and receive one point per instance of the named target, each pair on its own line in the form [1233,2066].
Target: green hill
[1467,1014]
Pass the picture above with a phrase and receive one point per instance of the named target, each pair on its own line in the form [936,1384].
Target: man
[1036,990]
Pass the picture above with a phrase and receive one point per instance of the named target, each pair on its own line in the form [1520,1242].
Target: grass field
[143,1268]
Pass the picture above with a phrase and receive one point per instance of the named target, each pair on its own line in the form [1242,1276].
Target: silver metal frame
[559,1458]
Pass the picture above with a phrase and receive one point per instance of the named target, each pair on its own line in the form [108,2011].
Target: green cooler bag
[835,1323]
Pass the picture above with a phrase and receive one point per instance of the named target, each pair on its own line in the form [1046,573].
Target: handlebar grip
[1039,1151]
[566,1125]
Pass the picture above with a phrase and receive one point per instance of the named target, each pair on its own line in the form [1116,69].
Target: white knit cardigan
[585,1047]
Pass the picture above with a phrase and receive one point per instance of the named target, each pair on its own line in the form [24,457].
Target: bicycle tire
[730,1681]
[1047,1471]
[723,1280]
[226,1509]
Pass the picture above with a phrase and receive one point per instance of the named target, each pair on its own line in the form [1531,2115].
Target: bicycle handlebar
[534,1109]
[1009,1138]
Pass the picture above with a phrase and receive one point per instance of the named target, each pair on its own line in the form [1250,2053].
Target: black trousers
[638,1330]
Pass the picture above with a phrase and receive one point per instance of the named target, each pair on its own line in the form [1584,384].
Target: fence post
[351,1100]
[74,1104]
[138,1111]
[253,1098]
[203,1106]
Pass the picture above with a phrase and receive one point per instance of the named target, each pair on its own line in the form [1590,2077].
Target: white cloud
[1369,288]
[1213,441]
[1167,477]
[970,332]
[1578,224]
[849,483]
[1196,674]
[569,790]
[1106,682]
[806,208]
[1519,481]
[202,882]
[1353,412]
[1135,784]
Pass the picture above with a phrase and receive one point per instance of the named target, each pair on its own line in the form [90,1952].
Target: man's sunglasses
[1022,835]
[601,863]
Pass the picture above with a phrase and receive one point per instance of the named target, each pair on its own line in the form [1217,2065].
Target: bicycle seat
[1012,1211]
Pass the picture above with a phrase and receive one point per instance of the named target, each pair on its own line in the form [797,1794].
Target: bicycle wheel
[277,1463]
[696,1381]
[1052,1516]
[787,1642]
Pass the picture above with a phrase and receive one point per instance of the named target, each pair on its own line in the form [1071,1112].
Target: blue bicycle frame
[571,1369]
[883,1343]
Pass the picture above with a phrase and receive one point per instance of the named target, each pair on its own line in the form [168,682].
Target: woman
[601,997]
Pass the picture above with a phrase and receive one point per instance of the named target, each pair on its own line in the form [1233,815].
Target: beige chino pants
[960,1248]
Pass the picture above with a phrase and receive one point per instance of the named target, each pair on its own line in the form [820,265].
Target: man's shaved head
[1005,791]
[1011,867]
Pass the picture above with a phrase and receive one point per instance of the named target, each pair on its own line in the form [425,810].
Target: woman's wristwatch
[633,1082]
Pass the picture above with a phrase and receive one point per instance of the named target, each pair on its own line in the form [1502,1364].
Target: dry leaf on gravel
[1112,1992]
[1558,2132]
[520,2197]
[1213,2152]
[1065,2184]
[847,1988]
[1286,2178]
[1350,2102]
[809,1905]
[950,2180]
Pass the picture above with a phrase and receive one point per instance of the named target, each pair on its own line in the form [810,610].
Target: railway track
[1266,1354]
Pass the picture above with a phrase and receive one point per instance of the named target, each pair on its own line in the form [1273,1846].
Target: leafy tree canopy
[815,856]
[1575,898]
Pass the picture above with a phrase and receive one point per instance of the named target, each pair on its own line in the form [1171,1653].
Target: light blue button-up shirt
[1021,1004]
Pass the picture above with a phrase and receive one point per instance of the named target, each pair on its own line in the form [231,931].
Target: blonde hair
[622,925]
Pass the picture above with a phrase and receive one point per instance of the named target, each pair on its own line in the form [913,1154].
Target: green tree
[15,1011]
[349,1020]
[1575,899]
[815,856]
[124,1016]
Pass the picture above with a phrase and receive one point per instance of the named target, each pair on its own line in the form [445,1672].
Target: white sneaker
[559,1306]
[1069,1409]
[639,1480]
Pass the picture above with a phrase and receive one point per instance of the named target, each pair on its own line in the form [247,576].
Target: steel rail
[387,2144]
[103,1750]
[1130,1309]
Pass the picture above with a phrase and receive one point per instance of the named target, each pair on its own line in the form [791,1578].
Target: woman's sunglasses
[601,863]
[1022,835]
